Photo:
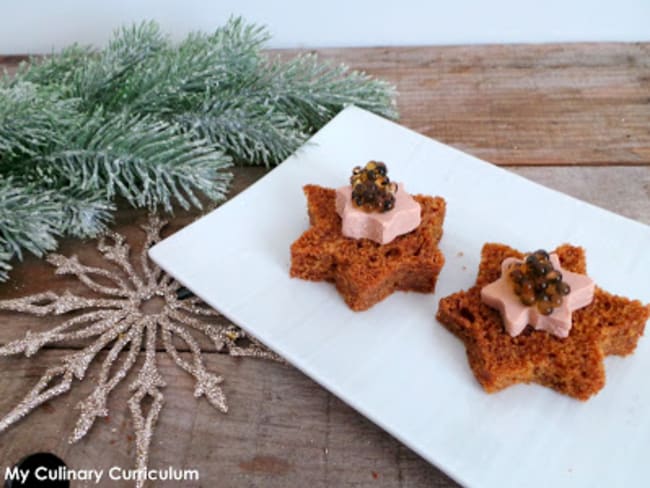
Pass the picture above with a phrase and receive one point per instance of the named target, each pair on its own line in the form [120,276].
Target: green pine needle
[145,161]
[251,132]
[315,91]
[32,119]
[85,213]
[29,220]
[5,267]
[154,123]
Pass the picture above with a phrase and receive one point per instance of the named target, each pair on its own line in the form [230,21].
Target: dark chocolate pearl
[564,288]
[516,275]
[527,299]
[556,300]
[545,308]
[531,260]
[554,275]
[542,254]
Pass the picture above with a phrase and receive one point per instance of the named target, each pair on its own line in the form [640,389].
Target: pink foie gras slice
[381,227]
[501,295]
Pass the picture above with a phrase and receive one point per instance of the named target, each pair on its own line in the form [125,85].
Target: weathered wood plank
[553,104]
[282,430]
[583,103]
[623,190]
[9,64]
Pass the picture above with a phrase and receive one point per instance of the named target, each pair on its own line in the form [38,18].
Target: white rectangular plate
[394,363]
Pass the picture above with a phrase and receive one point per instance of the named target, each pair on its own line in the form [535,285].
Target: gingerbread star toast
[573,365]
[365,272]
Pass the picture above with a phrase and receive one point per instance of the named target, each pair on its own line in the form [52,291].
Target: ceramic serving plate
[395,363]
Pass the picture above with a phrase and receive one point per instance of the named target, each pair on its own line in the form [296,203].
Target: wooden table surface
[574,117]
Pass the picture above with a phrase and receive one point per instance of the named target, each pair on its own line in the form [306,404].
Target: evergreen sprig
[29,221]
[33,119]
[155,123]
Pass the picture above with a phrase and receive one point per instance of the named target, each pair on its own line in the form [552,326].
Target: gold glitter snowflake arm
[72,266]
[147,384]
[216,333]
[50,303]
[206,383]
[116,320]
[254,349]
[73,366]
[99,321]
[118,253]
[152,230]
[95,404]
[40,394]
[196,306]
[224,337]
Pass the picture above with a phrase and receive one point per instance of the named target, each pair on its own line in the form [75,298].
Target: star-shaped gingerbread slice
[363,271]
[573,365]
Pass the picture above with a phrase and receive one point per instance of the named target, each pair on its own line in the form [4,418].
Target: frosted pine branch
[154,122]
[251,132]
[32,118]
[147,162]
[315,91]
[29,219]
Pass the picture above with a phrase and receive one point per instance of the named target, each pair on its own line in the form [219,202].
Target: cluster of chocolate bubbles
[536,281]
[372,190]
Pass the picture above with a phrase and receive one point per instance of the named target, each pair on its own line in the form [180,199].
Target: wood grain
[572,117]
[282,430]
[556,104]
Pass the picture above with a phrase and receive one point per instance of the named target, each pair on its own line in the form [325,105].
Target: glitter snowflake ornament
[115,320]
